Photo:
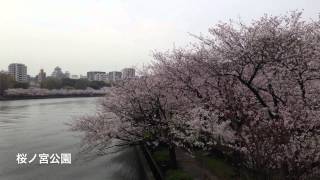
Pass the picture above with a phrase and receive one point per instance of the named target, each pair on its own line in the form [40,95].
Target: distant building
[83,77]
[67,74]
[18,71]
[128,73]
[57,73]
[115,76]
[4,72]
[101,77]
[96,75]
[41,76]
[34,81]
[29,78]
[74,77]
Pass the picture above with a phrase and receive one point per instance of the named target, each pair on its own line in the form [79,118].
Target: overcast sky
[105,35]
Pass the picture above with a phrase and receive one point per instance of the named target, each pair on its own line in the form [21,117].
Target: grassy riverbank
[199,165]
[161,155]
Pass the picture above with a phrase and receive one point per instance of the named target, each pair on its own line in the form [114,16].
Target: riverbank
[188,167]
[9,98]
[38,93]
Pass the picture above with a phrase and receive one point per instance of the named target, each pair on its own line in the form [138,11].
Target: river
[39,126]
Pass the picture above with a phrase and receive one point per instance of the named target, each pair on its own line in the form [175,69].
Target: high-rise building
[114,76]
[18,71]
[57,73]
[128,73]
[101,77]
[41,75]
[96,75]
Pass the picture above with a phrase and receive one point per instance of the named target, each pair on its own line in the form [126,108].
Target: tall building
[95,75]
[57,73]
[101,77]
[18,71]
[41,75]
[114,76]
[128,73]
[67,74]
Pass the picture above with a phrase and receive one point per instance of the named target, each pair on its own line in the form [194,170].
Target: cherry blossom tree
[276,65]
[259,85]
[38,92]
[248,91]
[135,111]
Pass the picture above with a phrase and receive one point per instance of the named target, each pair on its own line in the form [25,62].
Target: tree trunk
[173,158]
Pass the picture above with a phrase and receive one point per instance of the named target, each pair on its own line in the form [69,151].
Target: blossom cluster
[248,91]
[38,92]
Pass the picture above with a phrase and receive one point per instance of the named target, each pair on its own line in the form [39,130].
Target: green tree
[68,83]
[51,83]
[6,81]
[81,84]
[97,84]
[23,85]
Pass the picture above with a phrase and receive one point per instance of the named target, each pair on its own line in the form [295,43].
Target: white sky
[105,35]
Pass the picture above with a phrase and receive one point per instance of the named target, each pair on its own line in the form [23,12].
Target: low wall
[150,164]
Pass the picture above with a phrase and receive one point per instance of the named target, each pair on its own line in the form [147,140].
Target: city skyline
[49,72]
[106,35]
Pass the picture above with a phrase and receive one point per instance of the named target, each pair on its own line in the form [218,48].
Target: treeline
[7,82]
[66,83]
[38,93]
[249,93]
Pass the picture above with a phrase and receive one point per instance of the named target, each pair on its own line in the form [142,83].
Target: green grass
[223,169]
[161,155]
[219,167]
[177,175]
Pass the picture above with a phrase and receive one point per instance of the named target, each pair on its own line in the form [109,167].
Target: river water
[39,126]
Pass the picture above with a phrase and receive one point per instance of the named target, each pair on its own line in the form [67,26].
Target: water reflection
[39,126]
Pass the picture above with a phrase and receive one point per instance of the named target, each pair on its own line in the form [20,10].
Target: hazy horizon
[107,35]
